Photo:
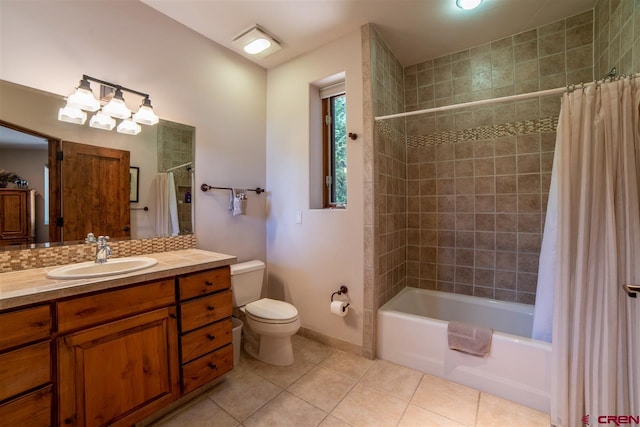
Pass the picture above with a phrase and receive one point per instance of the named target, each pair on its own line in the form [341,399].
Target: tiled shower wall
[176,144]
[478,179]
[617,36]
[385,181]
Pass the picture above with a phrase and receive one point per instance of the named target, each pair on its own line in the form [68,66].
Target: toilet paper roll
[339,308]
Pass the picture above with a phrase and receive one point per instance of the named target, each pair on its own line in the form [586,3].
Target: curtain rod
[496,100]
[179,166]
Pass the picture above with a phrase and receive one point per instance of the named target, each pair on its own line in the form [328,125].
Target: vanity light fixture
[102,121]
[116,108]
[83,97]
[257,42]
[145,114]
[130,127]
[72,115]
[468,4]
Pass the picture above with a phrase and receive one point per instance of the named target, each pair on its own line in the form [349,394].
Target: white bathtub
[412,331]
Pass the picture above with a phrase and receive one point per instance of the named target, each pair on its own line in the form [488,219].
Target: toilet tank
[246,282]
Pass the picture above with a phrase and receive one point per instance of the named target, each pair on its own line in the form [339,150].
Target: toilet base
[276,351]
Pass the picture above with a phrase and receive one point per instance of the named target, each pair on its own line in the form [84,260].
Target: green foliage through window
[339,150]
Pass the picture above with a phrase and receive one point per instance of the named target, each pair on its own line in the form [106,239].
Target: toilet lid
[271,309]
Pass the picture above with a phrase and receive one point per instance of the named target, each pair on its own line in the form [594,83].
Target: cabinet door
[13,207]
[120,372]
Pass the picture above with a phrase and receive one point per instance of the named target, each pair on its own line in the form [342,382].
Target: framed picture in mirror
[134,173]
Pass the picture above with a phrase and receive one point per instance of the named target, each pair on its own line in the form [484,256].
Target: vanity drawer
[24,369]
[205,310]
[206,368]
[23,326]
[204,340]
[207,282]
[34,409]
[112,305]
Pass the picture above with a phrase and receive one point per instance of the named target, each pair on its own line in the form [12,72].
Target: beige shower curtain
[596,342]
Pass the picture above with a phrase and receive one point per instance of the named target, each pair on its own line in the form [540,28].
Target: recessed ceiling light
[256,42]
[468,4]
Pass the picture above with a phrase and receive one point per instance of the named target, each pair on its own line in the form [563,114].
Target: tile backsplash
[24,259]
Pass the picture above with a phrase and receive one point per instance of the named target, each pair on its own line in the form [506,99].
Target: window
[334,136]
[46,194]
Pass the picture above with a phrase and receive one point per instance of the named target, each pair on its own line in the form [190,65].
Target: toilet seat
[267,310]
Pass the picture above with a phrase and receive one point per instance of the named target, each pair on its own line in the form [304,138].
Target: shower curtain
[596,326]
[166,205]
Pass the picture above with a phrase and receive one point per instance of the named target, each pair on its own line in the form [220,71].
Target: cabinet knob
[172,315]
[211,337]
[208,283]
[68,421]
[212,365]
[210,307]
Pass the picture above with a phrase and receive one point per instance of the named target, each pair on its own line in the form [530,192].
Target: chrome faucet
[103,251]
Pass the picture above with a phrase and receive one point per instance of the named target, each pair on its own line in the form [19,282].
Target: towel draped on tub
[471,339]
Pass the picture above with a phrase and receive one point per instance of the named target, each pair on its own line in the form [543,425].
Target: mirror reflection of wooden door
[95,191]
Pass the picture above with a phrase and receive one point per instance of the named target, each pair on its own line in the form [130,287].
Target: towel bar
[206,187]
[631,290]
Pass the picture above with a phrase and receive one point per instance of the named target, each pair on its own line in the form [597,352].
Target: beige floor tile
[311,351]
[286,410]
[332,421]
[367,407]
[446,398]
[494,411]
[243,393]
[200,413]
[416,416]
[322,387]
[347,364]
[282,376]
[396,380]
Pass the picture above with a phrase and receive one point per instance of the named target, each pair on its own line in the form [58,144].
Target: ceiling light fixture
[116,108]
[257,42]
[468,4]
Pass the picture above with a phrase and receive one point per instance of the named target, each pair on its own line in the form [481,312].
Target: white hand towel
[238,204]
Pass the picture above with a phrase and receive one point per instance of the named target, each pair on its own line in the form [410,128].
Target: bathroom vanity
[116,349]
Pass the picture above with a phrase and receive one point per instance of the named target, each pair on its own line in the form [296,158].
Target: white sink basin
[89,269]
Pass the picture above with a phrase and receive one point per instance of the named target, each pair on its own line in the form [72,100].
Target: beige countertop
[24,287]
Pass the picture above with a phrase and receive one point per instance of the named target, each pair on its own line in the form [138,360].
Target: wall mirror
[30,137]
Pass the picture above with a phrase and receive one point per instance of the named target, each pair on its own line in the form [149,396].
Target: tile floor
[327,387]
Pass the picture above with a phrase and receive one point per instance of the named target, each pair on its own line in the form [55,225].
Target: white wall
[49,45]
[308,261]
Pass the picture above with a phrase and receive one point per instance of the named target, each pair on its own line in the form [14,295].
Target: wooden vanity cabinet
[115,356]
[120,363]
[25,366]
[205,308]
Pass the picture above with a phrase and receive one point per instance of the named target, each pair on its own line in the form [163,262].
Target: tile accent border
[24,259]
[522,127]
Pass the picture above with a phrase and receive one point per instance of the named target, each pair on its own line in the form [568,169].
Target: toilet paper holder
[343,290]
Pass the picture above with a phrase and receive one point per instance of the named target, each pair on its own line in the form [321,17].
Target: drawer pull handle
[211,337]
[208,283]
[210,307]
[212,365]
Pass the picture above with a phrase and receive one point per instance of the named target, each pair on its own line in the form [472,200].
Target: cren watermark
[618,420]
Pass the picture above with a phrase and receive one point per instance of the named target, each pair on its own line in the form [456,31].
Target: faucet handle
[90,238]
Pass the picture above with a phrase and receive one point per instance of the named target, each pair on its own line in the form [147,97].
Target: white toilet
[273,321]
